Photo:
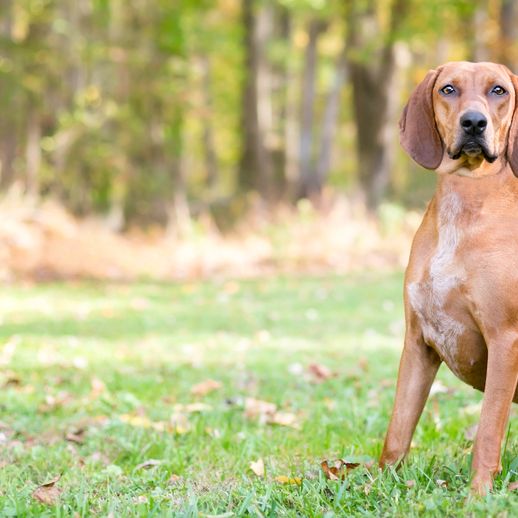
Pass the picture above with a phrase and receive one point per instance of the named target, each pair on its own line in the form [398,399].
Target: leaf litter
[48,493]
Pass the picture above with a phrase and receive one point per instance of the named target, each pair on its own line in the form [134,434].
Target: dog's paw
[481,484]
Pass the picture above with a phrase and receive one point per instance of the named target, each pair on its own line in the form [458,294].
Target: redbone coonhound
[461,284]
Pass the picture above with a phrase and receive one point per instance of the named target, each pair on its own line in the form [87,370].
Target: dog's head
[461,115]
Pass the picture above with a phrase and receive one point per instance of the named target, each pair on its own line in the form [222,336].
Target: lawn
[106,386]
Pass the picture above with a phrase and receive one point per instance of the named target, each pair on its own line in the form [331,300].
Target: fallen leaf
[140,421]
[284,419]
[256,408]
[410,483]
[320,373]
[205,387]
[174,480]
[513,486]
[441,483]
[180,423]
[148,464]
[52,402]
[471,432]
[192,408]
[338,468]
[367,488]
[48,493]
[282,479]
[141,499]
[12,379]
[77,436]
[257,467]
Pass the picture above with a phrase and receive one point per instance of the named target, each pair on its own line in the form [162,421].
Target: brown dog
[461,284]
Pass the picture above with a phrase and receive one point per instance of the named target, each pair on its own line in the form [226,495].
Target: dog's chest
[435,292]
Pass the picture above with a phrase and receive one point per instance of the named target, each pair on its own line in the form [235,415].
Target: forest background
[195,137]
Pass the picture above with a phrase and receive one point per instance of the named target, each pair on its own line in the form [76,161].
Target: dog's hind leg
[501,379]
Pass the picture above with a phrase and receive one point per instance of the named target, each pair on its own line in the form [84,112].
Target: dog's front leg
[501,379]
[417,370]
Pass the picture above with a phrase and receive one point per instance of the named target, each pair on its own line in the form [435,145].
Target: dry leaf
[410,483]
[513,486]
[284,419]
[338,468]
[257,408]
[52,402]
[148,464]
[257,467]
[205,387]
[320,373]
[174,480]
[48,493]
[441,483]
[471,432]
[192,408]
[141,421]
[180,423]
[77,436]
[282,479]
[12,379]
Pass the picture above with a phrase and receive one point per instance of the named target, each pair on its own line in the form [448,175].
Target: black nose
[473,123]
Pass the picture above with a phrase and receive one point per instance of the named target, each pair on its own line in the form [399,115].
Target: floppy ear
[512,139]
[417,129]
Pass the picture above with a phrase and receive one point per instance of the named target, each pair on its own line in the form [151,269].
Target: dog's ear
[418,132]
[512,139]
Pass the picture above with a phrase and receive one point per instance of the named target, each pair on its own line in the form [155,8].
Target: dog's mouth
[473,148]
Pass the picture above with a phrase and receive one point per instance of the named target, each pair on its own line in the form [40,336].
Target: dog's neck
[489,182]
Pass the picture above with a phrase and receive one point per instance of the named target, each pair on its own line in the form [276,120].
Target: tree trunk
[308,181]
[9,144]
[477,39]
[8,137]
[372,83]
[329,121]
[33,152]
[209,150]
[288,114]
[255,171]
[508,37]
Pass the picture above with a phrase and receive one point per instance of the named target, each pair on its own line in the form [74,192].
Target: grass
[109,366]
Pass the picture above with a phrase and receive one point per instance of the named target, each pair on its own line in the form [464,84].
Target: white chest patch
[428,298]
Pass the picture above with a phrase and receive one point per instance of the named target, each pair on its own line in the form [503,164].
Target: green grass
[149,343]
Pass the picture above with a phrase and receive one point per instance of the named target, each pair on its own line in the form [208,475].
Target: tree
[372,70]
[255,169]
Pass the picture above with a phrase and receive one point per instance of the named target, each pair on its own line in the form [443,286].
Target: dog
[461,283]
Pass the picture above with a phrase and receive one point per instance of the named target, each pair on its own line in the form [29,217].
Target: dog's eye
[447,90]
[498,90]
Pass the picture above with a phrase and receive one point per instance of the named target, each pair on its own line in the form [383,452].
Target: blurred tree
[149,112]
[309,182]
[255,171]
[372,68]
